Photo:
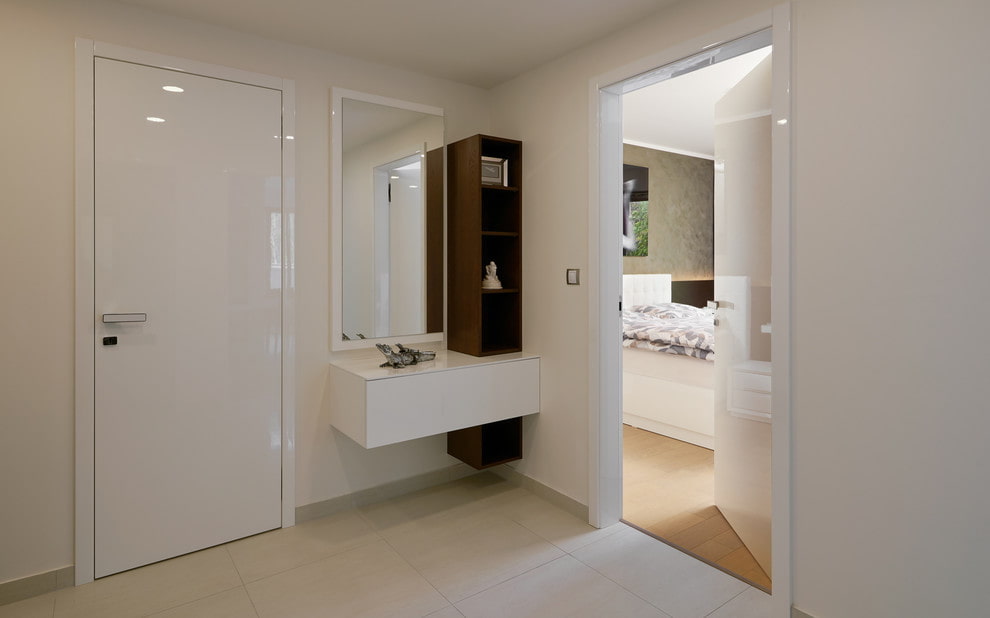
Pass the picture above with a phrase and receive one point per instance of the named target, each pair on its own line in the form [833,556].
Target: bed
[667,357]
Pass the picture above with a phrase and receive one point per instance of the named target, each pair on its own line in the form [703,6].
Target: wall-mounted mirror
[387,219]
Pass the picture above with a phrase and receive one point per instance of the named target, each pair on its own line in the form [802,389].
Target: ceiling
[482,43]
[679,114]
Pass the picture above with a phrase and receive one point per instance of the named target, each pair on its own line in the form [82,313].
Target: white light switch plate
[573,276]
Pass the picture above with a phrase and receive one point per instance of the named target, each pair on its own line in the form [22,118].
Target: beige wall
[890,224]
[889,357]
[681,238]
[36,250]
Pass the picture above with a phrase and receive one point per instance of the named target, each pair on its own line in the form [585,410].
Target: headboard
[696,293]
[645,289]
[653,289]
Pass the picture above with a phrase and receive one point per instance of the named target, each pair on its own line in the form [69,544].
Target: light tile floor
[479,546]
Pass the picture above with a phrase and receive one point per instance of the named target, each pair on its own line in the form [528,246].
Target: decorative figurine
[404,357]
[491,282]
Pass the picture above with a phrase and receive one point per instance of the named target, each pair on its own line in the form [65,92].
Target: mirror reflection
[392,221]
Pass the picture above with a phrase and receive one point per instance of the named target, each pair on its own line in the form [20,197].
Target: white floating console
[375,406]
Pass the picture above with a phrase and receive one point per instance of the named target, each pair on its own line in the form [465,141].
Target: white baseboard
[671,431]
[549,494]
[379,493]
[34,585]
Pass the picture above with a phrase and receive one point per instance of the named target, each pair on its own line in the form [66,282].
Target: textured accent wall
[681,215]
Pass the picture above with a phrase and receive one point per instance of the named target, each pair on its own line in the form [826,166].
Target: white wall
[890,247]
[36,250]
[890,220]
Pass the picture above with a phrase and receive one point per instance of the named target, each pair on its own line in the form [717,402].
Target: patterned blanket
[671,328]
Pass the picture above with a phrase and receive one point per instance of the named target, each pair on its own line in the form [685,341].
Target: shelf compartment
[500,212]
[504,251]
[491,444]
[501,324]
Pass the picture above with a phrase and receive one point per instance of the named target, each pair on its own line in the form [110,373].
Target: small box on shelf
[495,171]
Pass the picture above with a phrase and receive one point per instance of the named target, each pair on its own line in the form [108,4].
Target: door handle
[116,318]
[720,304]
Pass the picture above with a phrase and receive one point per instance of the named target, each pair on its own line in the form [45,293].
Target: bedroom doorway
[688,141]
[606,490]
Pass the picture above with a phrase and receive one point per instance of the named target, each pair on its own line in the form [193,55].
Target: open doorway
[682,137]
[605,278]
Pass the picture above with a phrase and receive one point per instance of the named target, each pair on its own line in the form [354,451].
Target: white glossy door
[742,287]
[187,403]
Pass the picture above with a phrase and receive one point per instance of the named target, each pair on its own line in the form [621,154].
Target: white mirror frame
[337,217]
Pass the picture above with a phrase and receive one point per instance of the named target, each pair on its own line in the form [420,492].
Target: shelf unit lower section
[487,445]
[377,406]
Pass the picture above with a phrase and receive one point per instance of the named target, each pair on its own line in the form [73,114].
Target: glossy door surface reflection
[188,402]
[742,287]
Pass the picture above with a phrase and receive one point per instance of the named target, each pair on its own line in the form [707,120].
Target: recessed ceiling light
[154,119]
[173,89]
[394,177]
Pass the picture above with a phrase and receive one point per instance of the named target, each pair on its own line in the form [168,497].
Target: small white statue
[491,282]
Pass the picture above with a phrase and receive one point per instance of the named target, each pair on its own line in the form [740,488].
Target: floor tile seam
[226,549]
[243,583]
[503,577]
[620,585]
[55,601]
[310,563]
[505,581]
[518,520]
[534,532]
[334,553]
[190,601]
[526,572]
[741,592]
[418,572]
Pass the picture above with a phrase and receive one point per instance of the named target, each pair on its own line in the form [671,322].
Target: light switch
[573,276]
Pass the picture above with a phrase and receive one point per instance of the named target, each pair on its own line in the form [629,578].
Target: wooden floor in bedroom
[668,489]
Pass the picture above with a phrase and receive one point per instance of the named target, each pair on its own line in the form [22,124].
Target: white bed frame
[665,393]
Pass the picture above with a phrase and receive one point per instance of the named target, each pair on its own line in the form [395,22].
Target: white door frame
[604,262]
[86,51]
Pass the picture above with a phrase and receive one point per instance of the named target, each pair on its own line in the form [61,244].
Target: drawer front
[415,406]
[752,381]
[752,401]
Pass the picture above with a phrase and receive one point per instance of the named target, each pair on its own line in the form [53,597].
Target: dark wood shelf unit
[501,291]
[484,224]
[487,445]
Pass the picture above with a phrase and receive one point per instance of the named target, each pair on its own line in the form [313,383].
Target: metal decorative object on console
[404,356]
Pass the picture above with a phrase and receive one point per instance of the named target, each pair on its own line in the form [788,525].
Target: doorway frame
[604,262]
[87,50]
